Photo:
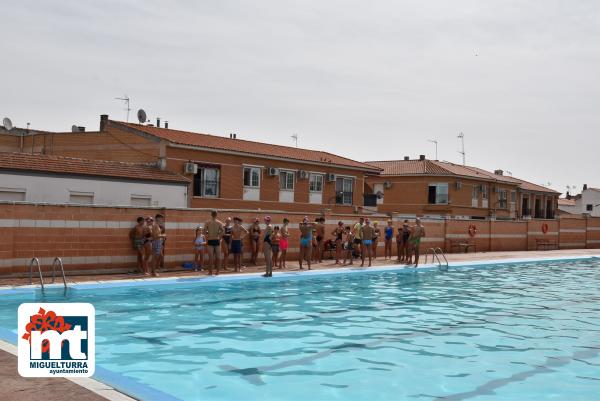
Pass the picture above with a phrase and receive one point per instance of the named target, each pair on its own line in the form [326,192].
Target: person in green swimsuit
[416,233]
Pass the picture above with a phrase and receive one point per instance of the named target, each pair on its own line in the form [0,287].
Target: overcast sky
[369,80]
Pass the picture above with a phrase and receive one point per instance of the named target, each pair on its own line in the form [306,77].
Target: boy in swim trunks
[367,233]
[283,243]
[238,232]
[306,230]
[137,236]
[213,229]
[348,245]
[200,248]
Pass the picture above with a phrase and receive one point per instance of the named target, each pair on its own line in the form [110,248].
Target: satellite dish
[141,116]
[7,123]
[74,128]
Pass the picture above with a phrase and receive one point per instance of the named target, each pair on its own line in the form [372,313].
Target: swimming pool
[517,331]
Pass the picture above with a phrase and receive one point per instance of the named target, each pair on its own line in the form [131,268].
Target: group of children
[216,238]
[220,240]
[361,241]
[148,237]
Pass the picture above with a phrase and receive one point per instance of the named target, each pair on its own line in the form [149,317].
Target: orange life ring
[472,230]
[544,228]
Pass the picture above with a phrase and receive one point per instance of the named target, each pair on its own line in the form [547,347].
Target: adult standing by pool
[160,220]
[357,233]
[284,242]
[376,235]
[417,232]
[213,229]
[306,230]
[367,233]
[320,234]
[267,248]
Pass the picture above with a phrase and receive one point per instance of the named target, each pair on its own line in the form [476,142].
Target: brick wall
[97,238]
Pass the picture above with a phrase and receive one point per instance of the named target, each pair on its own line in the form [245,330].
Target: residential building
[433,188]
[587,202]
[39,178]
[224,172]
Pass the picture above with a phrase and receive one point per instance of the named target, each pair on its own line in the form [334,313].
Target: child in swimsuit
[254,239]
[283,243]
[348,245]
[199,245]
[338,233]
[226,243]
[388,236]
[275,243]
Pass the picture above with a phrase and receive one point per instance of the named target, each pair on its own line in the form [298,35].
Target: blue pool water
[519,331]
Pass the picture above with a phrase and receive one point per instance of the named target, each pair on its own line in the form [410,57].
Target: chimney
[166,124]
[234,136]
[81,129]
[406,158]
[585,187]
[157,122]
[103,122]
[421,157]
[498,172]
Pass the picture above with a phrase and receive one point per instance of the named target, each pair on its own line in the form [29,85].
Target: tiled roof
[247,147]
[69,165]
[435,167]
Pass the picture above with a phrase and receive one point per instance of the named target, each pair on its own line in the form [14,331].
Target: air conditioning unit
[387,184]
[379,195]
[458,185]
[303,174]
[330,177]
[191,168]
[273,171]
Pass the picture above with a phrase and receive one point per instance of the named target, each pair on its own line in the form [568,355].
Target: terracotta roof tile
[70,165]
[435,167]
[248,147]
[566,202]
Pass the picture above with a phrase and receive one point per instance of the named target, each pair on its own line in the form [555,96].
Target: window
[513,196]
[438,193]
[206,182]
[286,180]
[141,200]
[315,183]
[252,177]
[343,190]
[502,199]
[475,195]
[12,194]
[484,192]
[81,198]
[589,207]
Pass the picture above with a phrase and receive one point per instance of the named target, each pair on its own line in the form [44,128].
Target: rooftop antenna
[509,173]
[436,143]
[295,138]
[462,152]
[125,99]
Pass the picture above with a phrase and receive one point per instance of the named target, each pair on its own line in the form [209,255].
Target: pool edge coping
[95,386]
[145,281]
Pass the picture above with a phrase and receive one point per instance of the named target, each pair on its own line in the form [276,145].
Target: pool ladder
[57,261]
[435,254]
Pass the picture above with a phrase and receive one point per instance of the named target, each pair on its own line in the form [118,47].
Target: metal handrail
[37,262]
[58,261]
[441,252]
[435,255]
